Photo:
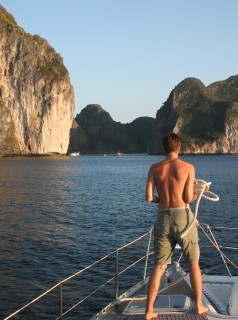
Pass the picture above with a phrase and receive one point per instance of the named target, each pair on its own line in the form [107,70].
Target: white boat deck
[182,288]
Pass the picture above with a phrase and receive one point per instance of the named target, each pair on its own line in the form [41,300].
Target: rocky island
[37,106]
[205,117]
[36,97]
[94,131]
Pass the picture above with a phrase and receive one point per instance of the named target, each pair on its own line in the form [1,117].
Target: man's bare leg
[153,289]
[196,282]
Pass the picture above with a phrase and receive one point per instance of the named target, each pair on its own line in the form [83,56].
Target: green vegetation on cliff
[225,90]
[52,68]
[6,18]
[197,112]
[48,63]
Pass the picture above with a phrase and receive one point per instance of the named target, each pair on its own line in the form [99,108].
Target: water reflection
[57,215]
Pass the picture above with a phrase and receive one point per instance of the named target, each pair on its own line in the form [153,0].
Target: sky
[128,55]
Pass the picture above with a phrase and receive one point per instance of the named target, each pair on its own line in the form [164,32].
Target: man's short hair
[171,142]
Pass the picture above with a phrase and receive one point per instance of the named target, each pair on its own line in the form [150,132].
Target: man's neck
[172,156]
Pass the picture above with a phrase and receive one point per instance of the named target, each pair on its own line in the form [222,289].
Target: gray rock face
[36,97]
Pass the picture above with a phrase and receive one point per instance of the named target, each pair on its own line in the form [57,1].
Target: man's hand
[155,199]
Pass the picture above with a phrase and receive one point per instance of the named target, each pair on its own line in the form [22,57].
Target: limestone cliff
[205,117]
[94,131]
[36,97]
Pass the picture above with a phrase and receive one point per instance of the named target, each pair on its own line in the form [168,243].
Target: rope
[227,228]
[200,187]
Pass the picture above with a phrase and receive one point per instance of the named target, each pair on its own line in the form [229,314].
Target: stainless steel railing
[59,285]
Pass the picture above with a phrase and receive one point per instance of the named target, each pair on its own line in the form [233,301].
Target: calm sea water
[58,215]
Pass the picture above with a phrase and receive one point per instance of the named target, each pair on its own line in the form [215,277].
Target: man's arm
[150,188]
[189,195]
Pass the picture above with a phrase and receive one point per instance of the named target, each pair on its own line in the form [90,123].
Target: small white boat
[175,300]
[74,154]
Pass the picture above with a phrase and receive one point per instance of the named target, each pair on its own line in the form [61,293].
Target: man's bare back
[173,179]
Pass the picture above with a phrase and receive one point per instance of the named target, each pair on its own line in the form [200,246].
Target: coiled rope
[201,188]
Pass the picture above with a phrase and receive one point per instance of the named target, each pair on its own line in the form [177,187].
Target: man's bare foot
[151,316]
[201,310]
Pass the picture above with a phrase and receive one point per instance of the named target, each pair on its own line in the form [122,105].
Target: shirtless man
[173,180]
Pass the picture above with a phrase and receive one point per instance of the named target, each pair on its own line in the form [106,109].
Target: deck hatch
[163,304]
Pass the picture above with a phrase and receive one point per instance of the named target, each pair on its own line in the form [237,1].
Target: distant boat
[118,154]
[74,154]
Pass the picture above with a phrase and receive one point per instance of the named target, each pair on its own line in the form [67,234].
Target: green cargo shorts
[169,226]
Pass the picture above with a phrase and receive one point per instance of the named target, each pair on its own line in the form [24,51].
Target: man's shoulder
[187,164]
[156,165]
